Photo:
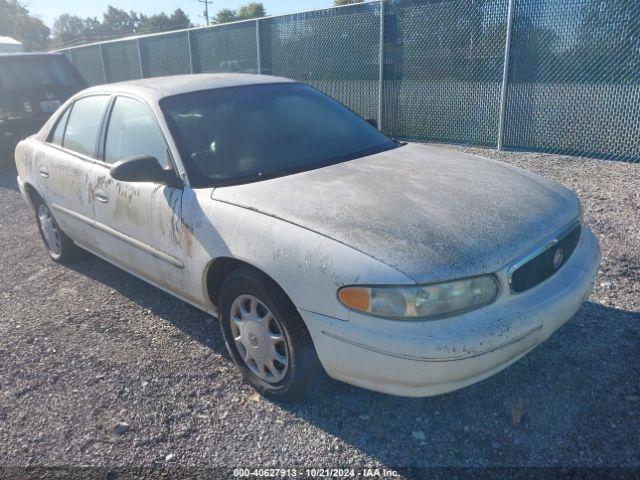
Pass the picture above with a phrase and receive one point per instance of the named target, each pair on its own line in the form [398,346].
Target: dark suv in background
[32,87]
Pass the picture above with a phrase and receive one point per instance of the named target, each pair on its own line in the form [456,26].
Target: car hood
[432,214]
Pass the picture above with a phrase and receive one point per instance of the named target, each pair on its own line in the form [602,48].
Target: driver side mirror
[144,169]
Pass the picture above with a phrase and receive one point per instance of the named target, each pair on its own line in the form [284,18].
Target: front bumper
[433,357]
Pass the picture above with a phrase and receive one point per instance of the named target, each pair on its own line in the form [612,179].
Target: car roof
[156,88]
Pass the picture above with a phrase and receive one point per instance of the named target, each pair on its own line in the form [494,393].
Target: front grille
[541,267]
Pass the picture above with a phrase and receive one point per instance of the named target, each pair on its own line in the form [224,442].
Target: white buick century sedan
[321,244]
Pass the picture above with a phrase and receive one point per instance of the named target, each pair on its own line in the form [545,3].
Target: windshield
[243,134]
[23,73]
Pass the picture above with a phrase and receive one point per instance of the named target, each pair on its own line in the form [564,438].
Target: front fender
[308,266]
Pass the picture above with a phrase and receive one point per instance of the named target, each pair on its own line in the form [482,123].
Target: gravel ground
[99,368]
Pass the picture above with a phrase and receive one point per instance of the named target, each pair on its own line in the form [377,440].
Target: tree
[93,29]
[251,10]
[163,22]
[118,22]
[246,12]
[225,15]
[9,9]
[67,29]
[32,32]
[153,23]
[70,29]
[338,3]
[16,22]
[179,19]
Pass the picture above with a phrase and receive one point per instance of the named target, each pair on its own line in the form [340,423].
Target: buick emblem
[558,256]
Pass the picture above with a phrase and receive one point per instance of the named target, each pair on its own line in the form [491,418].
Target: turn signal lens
[435,300]
[355,297]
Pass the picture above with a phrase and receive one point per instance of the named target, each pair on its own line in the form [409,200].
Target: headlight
[422,301]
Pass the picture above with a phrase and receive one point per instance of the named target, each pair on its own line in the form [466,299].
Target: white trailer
[10,45]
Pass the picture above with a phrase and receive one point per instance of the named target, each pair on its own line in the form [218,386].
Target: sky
[48,10]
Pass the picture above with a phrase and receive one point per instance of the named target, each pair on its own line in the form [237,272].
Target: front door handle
[44,171]
[101,196]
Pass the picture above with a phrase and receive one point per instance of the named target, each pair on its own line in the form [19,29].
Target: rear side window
[84,122]
[58,133]
[133,133]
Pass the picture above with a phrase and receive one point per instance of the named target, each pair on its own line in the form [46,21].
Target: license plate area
[49,106]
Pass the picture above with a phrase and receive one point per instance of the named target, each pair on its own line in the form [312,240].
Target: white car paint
[170,237]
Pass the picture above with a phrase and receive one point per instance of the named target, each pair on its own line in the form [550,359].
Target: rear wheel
[59,247]
[267,338]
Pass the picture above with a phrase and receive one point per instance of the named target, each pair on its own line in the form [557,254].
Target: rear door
[67,165]
[139,223]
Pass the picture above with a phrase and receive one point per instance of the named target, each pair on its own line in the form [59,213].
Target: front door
[139,223]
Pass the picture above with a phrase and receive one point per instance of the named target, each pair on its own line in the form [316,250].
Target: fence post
[140,62]
[104,65]
[258,52]
[505,74]
[190,51]
[381,67]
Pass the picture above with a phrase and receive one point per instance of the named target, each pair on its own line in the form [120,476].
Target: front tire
[267,338]
[59,247]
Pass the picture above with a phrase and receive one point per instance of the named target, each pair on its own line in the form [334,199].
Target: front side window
[133,132]
[83,127]
[249,133]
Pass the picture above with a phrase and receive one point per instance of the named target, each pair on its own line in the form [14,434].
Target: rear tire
[267,338]
[59,246]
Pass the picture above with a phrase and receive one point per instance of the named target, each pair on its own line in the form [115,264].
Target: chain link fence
[540,75]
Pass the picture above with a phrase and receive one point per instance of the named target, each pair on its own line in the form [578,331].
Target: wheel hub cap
[259,338]
[50,230]
[253,339]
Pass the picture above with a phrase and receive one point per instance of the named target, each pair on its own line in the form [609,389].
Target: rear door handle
[44,171]
[101,196]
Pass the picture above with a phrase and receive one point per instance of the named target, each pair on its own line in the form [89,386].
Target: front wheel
[267,338]
[59,247]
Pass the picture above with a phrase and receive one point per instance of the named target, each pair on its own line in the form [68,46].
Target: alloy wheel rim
[259,338]
[50,230]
